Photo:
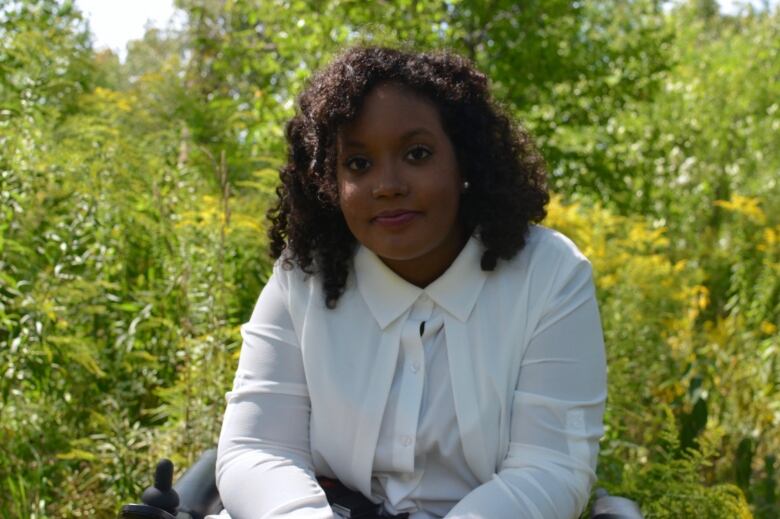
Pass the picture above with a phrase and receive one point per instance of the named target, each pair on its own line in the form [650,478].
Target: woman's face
[399,184]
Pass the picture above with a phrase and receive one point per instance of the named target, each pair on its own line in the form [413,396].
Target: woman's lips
[395,218]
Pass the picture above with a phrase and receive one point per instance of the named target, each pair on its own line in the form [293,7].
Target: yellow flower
[768,328]
[744,205]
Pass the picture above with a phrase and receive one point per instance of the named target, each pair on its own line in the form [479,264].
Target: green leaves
[132,240]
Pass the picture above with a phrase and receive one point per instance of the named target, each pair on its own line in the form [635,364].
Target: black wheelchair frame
[195,495]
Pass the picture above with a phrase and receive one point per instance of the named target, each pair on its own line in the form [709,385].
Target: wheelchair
[195,495]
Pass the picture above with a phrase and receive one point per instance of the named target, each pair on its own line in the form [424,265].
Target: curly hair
[506,174]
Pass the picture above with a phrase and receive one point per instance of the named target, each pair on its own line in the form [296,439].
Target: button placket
[409,396]
[411,381]
[416,357]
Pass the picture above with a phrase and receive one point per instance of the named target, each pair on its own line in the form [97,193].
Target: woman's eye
[357,164]
[418,153]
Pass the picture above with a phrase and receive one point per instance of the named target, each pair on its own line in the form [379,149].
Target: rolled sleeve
[557,413]
[264,467]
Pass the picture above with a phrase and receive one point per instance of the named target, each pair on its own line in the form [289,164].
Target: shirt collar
[388,295]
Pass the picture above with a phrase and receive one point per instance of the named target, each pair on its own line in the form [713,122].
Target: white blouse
[479,396]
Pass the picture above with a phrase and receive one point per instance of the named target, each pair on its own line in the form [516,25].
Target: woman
[421,339]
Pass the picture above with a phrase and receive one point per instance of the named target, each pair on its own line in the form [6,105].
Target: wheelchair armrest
[198,496]
[197,488]
[614,507]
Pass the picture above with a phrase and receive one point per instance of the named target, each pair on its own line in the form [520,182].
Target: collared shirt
[419,464]
[492,408]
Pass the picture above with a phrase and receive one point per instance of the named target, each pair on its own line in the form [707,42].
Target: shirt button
[406,440]
[415,367]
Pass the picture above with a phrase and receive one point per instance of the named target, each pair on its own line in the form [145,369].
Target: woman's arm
[264,467]
[556,416]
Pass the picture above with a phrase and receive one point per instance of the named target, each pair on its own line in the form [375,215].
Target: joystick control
[160,501]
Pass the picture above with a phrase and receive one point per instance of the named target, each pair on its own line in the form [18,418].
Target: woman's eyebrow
[357,143]
[415,133]
[351,143]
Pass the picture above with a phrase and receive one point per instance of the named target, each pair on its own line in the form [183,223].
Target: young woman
[421,339]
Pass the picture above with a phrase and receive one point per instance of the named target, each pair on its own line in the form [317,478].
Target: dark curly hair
[506,174]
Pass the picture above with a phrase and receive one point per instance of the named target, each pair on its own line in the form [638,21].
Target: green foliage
[670,484]
[665,355]
[132,240]
[44,56]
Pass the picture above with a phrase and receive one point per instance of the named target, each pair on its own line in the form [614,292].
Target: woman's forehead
[394,111]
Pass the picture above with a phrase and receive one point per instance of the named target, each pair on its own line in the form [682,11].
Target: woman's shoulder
[545,245]
[304,287]
[289,274]
[548,259]
[549,264]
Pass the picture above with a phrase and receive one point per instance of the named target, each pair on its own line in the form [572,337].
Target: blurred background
[134,181]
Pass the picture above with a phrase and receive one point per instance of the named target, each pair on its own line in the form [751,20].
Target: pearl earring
[466,185]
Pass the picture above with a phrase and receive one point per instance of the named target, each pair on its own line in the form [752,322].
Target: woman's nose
[389,180]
